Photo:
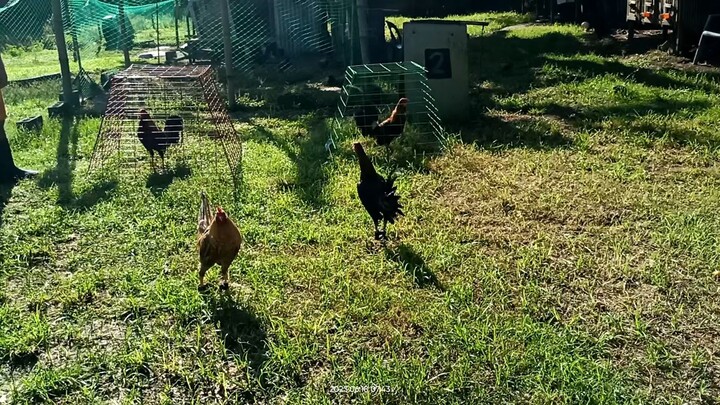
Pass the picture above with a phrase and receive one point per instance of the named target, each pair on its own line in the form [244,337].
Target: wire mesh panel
[173,112]
[370,95]
[314,26]
[302,26]
[249,30]
[98,31]
[24,21]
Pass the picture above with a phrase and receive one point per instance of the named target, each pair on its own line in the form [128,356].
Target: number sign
[437,63]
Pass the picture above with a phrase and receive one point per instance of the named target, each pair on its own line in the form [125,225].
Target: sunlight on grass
[561,248]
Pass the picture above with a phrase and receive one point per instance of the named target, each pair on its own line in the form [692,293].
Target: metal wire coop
[371,92]
[205,136]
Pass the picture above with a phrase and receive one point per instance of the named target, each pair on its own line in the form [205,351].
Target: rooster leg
[203,269]
[378,234]
[384,230]
[162,161]
[225,283]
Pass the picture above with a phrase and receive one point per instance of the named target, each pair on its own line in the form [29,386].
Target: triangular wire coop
[205,137]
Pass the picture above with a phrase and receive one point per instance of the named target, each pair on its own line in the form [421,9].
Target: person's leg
[8,171]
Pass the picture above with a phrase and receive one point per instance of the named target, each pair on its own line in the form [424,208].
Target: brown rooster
[219,242]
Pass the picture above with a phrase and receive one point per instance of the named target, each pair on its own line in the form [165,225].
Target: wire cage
[205,136]
[371,92]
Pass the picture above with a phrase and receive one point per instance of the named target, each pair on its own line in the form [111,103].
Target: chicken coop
[175,111]
[371,92]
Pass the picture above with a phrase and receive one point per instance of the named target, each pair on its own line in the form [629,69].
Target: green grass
[561,249]
[23,63]
[496,21]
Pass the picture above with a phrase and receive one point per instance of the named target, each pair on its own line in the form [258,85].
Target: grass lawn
[563,248]
[34,61]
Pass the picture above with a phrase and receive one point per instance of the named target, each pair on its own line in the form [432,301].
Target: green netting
[24,21]
[97,31]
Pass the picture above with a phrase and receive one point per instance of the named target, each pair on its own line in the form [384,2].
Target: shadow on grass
[514,131]
[159,182]
[241,330]
[414,265]
[5,194]
[62,174]
[510,62]
[503,65]
[309,154]
[25,360]
[590,68]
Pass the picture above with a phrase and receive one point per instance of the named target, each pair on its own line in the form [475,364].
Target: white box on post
[442,48]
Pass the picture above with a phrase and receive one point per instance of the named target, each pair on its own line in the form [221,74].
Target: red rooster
[386,131]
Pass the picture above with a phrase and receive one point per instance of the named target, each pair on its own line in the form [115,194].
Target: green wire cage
[371,92]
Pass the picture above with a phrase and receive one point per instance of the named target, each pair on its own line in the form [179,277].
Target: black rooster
[366,119]
[377,195]
[156,140]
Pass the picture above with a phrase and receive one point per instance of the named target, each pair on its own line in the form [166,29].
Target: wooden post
[227,39]
[362,27]
[62,52]
[123,33]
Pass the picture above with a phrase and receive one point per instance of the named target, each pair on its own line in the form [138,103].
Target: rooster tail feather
[204,216]
[392,207]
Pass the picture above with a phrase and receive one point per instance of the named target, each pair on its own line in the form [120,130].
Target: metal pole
[227,39]
[177,25]
[62,51]
[123,33]
[362,27]
[73,35]
[157,29]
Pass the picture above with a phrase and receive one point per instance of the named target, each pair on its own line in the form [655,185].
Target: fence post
[62,52]
[123,33]
[227,39]
[363,30]
[177,25]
